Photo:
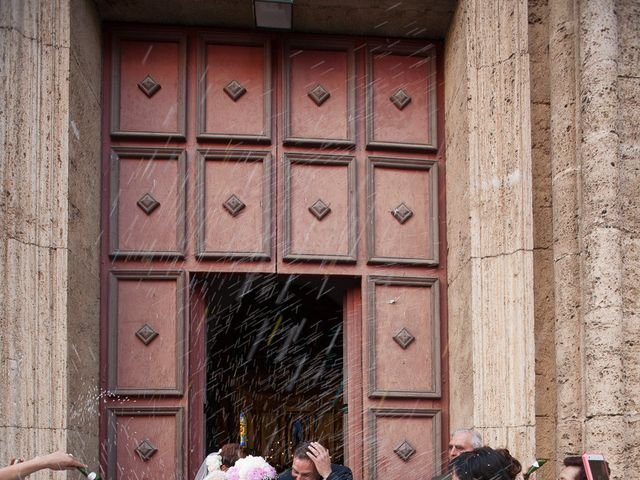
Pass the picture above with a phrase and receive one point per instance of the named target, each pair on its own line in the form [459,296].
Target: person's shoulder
[286,475]
[340,472]
[340,468]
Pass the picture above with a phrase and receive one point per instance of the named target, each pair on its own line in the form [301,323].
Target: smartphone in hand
[595,466]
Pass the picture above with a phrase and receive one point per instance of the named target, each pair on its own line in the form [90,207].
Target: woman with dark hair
[230,453]
[485,463]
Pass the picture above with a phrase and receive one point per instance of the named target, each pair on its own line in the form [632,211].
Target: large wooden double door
[282,154]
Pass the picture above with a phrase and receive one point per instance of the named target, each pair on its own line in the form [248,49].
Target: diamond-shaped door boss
[402,213]
[400,98]
[319,94]
[146,334]
[320,209]
[149,86]
[404,338]
[233,205]
[148,203]
[146,449]
[235,90]
[404,450]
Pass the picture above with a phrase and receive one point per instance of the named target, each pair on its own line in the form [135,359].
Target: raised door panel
[402,211]
[404,337]
[148,85]
[147,211]
[320,213]
[146,333]
[401,97]
[234,198]
[145,443]
[405,443]
[234,90]
[319,94]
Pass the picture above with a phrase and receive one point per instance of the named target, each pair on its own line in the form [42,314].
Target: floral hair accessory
[214,462]
[251,468]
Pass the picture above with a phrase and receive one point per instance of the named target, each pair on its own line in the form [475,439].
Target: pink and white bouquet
[251,468]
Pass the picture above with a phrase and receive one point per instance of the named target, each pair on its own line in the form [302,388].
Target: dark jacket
[338,472]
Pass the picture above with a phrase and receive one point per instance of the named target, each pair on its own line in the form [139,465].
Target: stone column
[628,125]
[601,231]
[596,197]
[566,244]
[490,230]
[34,121]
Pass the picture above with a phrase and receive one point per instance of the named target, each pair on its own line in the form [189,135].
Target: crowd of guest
[467,460]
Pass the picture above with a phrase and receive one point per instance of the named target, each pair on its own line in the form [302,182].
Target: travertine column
[601,231]
[628,122]
[566,245]
[596,194]
[491,272]
[34,119]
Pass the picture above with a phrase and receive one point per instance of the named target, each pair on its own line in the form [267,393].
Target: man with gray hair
[463,440]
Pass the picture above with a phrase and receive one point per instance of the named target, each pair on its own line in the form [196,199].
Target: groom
[311,461]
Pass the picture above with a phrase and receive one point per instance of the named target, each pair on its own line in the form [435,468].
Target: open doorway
[274,354]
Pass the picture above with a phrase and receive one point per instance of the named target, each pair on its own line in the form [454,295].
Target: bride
[230,463]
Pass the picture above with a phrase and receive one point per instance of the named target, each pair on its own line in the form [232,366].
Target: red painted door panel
[148,85]
[319,90]
[234,94]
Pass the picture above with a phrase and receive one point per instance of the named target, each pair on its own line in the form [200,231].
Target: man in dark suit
[311,461]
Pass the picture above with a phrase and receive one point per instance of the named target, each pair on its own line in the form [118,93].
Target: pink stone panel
[391,432]
[392,187]
[160,431]
[222,231]
[151,366]
[411,124]
[160,60]
[408,369]
[330,70]
[245,65]
[137,230]
[329,183]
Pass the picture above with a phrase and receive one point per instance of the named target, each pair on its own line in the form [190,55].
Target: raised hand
[321,459]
